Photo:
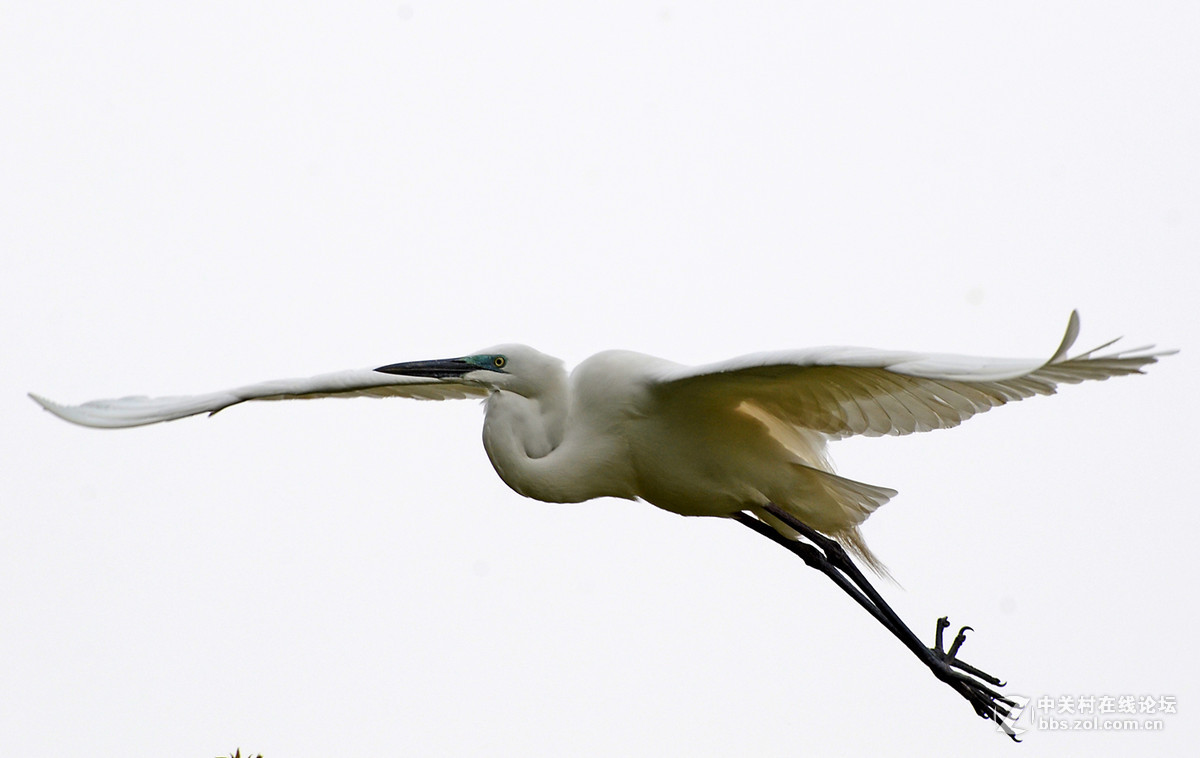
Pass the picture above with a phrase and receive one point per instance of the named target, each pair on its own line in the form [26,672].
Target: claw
[959,639]
[994,681]
[970,682]
[942,623]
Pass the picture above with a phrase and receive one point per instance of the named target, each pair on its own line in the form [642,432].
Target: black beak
[439,369]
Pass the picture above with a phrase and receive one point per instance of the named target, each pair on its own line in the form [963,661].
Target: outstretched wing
[843,391]
[137,411]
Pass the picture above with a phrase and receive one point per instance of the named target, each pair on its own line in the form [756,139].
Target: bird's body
[608,429]
[744,438]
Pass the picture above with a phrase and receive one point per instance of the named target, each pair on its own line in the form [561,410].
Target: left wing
[140,410]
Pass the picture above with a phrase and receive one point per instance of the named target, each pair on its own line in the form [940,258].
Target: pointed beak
[444,368]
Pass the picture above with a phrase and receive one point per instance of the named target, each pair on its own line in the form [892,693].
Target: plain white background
[200,195]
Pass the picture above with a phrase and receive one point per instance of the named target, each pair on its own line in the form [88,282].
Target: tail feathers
[849,538]
[836,506]
[846,502]
[853,541]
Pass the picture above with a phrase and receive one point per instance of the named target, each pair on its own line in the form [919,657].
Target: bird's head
[512,368]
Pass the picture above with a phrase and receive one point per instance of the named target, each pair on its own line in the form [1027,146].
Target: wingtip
[44,402]
[58,410]
[55,409]
[1068,339]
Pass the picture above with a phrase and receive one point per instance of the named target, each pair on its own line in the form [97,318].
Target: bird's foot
[973,684]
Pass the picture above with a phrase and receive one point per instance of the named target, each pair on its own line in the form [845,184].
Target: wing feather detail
[842,391]
[140,410]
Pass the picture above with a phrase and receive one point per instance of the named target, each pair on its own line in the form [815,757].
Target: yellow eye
[499,361]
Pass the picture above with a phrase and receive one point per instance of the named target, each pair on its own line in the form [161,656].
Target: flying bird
[744,439]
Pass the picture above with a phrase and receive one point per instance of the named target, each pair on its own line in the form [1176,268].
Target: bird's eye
[499,361]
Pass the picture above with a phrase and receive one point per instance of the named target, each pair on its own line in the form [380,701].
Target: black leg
[827,556]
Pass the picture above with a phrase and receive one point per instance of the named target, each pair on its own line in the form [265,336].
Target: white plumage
[711,440]
[744,436]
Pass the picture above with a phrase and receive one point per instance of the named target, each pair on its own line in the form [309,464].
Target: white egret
[743,439]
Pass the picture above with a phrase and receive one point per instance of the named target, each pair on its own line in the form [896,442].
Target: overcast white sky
[198,195]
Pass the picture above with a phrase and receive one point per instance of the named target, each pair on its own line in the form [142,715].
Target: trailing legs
[827,556]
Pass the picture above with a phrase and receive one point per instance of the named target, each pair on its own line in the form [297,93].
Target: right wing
[140,410]
[843,391]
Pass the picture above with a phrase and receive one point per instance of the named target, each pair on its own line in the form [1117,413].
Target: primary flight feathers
[140,410]
[844,391]
[838,391]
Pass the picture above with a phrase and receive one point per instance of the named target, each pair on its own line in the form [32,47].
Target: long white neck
[539,455]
